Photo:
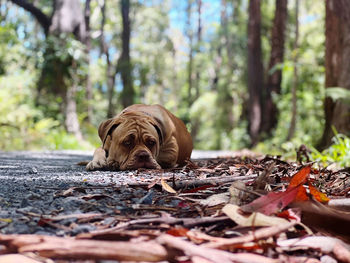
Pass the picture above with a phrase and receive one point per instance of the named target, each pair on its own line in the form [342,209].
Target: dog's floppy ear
[160,134]
[106,128]
[159,126]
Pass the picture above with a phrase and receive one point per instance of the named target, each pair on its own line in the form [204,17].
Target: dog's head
[131,141]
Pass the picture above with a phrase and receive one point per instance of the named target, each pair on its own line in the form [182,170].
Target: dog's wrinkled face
[132,143]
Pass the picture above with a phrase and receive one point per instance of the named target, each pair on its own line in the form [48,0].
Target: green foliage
[22,126]
[337,93]
[338,152]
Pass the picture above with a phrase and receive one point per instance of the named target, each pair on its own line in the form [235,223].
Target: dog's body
[142,136]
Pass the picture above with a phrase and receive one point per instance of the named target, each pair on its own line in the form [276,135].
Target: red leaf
[301,195]
[321,197]
[300,177]
[289,214]
[43,222]
[177,232]
[195,190]
[183,204]
[272,202]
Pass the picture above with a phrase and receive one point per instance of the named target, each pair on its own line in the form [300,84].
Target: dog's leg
[99,160]
[168,154]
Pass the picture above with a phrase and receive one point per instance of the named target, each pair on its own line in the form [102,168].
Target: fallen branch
[70,248]
[253,236]
[213,255]
[180,184]
[186,222]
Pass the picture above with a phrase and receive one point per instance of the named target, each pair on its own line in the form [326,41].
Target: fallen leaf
[215,199]
[301,194]
[290,214]
[197,189]
[321,197]
[178,231]
[272,202]
[6,220]
[253,219]
[300,177]
[167,187]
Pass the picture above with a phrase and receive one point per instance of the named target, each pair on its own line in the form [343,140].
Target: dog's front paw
[96,165]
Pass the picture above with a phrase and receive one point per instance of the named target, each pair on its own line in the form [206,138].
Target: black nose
[143,156]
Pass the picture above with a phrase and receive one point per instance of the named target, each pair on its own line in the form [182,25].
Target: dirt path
[45,183]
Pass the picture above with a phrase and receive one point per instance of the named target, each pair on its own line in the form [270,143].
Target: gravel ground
[34,184]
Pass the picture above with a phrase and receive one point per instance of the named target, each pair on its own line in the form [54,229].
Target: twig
[256,235]
[200,182]
[186,222]
[213,255]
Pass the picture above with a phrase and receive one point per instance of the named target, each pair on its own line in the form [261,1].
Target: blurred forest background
[267,74]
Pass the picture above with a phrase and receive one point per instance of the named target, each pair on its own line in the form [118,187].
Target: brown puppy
[142,136]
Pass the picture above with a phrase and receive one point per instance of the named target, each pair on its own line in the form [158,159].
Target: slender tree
[274,77]
[195,124]
[293,121]
[337,113]
[189,33]
[255,71]
[124,63]
[89,94]
[198,45]
[111,69]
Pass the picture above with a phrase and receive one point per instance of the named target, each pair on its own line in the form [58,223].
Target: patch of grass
[338,152]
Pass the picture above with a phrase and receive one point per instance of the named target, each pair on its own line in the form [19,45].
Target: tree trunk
[71,120]
[124,64]
[255,71]
[337,113]
[274,79]
[190,54]
[68,17]
[195,123]
[89,94]
[293,121]
[199,40]
[110,87]
[110,71]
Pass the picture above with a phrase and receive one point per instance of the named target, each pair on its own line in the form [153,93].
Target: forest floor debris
[227,209]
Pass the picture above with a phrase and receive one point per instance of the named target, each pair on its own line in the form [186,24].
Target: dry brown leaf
[252,219]
[167,187]
[215,199]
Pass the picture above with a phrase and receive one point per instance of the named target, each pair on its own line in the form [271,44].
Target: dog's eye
[151,143]
[127,143]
